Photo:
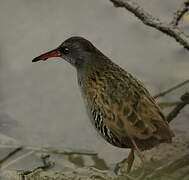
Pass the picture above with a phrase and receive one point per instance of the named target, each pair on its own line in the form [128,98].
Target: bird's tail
[164,134]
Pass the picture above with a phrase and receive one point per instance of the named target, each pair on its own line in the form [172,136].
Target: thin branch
[148,19]
[46,165]
[180,12]
[17,159]
[164,105]
[10,154]
[177,109]
[53,150]
[171,89]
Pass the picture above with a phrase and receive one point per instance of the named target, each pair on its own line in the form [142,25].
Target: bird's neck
[94,63]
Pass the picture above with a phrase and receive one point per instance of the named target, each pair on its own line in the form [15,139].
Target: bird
[118,105]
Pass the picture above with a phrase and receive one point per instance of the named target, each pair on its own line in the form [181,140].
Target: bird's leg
[137,149]
[130,160]
[141,157]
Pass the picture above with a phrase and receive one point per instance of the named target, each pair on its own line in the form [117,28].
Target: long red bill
[45,56]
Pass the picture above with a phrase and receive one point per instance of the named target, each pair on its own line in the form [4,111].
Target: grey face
[75,50]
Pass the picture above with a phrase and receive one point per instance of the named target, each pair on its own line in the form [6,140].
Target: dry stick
[10,154]
[180,12]
[177,109]
[17,159]
[54,151]
[70,152]
[164,105]
[46,165]
[149,20]
[171,89]
[175,112]
[169,29]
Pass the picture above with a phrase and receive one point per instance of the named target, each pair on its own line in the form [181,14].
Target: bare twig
[148,19]
[70,152]
[46,165]
[53,150]
[177,109]
[17,159]
[10,154]
[180,12]
[171,89]
[164,105]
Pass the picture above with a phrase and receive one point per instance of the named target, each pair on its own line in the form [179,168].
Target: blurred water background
[40,103]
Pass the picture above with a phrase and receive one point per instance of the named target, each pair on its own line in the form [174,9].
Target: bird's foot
[120,167]
[124,167]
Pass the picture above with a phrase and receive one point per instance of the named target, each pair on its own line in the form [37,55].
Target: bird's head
[75,50]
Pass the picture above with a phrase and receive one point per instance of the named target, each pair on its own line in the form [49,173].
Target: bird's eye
[66,50]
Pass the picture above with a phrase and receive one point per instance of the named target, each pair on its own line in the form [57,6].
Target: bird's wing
[134,112]
[126,106]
